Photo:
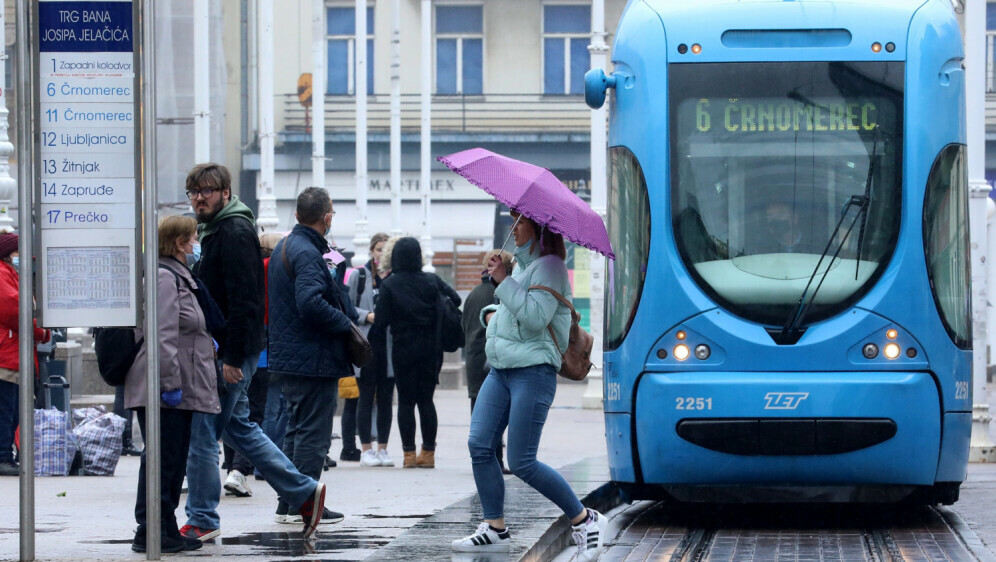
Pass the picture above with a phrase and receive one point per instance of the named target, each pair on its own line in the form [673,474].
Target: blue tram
[788,316]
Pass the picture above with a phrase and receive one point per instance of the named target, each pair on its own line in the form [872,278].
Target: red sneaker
[199,533]
[312,510]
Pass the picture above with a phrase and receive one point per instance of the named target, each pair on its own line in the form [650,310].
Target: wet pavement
[94,521]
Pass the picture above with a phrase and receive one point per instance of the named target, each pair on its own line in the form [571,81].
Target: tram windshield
[764,160]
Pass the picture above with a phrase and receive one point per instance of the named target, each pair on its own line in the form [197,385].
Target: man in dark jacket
[231,269]
[310,319]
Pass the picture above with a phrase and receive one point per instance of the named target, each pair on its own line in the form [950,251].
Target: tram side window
[629,232]
[946,242]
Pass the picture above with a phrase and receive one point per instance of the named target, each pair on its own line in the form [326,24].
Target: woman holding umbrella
[520,388]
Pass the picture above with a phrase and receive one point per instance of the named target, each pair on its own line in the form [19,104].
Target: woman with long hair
[375,380]
[520,387]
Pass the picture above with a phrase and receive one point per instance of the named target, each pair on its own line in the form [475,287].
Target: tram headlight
[891,350]
[696,49]
[680,352]
[702,352]
[870,351]
[891,333]
[876,47]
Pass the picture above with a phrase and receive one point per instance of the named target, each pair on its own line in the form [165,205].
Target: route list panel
[87,128]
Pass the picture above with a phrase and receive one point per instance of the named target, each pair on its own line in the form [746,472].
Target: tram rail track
[655,532]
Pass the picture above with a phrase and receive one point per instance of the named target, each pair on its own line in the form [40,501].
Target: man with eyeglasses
[231,267]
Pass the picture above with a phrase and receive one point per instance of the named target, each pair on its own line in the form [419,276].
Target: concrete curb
[968,536]
[539,529]
[558,537]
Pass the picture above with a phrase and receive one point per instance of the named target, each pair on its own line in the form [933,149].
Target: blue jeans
[233,426]
[519,399]
[275,416]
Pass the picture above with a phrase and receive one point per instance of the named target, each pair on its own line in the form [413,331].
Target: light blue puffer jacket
[517,335]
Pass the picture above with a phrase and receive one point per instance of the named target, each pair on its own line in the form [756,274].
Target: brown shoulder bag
[576,361]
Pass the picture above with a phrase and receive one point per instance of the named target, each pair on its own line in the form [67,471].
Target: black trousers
[174,442]
[349,407]
[416,391]
[258,387]
[373,385]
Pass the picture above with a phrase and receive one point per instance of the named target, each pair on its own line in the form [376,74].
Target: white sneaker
[589,536]
[237,485]
[484,539]
[385,459]
[370,458]
[288,519]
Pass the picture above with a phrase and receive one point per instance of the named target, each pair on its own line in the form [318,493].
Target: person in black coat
[407,306]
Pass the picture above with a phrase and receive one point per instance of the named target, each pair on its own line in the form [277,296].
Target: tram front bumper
[787,428]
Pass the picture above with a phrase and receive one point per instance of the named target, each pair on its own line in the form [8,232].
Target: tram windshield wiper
[790,333]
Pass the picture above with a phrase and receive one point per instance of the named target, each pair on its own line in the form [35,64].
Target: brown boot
[409,460]
[426,459]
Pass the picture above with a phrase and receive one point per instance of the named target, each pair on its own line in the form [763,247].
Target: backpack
[116,350]
[449,323]
[576,361]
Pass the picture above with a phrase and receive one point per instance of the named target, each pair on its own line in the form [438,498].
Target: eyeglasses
[205,193]
[332,213]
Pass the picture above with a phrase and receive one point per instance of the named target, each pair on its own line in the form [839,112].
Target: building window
[566,34]
[341,36]
[459,50]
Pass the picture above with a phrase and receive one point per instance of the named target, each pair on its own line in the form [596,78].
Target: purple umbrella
[535,192]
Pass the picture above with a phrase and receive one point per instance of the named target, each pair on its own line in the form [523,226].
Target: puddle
[291,544]
[419,516]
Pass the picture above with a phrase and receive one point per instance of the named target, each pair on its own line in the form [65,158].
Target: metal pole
[202,83]
[267,220]
[153,515]
[318,93]
[361,238]
[592,397]
[982,448]
[25,176]
[7,184]
[396,117]
[425,179]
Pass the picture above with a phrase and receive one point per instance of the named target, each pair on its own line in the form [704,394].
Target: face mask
[192,258]
[332,271]
[16,262]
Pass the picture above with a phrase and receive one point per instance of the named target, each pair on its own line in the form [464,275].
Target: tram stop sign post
[89,246]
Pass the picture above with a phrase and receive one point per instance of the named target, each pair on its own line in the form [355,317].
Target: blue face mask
[16,262]
[192,258]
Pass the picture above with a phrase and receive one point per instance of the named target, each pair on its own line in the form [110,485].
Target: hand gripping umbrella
[534,192]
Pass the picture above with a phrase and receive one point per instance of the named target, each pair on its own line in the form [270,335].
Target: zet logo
[784,400]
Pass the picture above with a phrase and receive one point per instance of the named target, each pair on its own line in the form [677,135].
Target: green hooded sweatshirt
[234,208]
[517,335]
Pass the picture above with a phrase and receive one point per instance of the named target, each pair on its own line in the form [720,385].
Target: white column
[267,219]
[982,448]
[361,237]
[202,83]
[7,184]
[592,397]
[395,117]
[318,93]
[425,179]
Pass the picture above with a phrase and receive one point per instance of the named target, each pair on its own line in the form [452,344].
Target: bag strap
[575,317]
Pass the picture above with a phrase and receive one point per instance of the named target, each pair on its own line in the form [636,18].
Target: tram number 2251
[692,403]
